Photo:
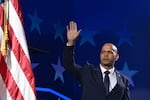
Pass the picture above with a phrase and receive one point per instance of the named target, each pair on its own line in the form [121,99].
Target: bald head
[112,46]
[109,55]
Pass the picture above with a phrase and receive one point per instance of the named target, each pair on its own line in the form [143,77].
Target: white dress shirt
[112,77]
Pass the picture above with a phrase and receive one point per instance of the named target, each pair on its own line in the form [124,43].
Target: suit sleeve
[69,63]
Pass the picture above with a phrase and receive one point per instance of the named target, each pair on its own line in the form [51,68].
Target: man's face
[108,55]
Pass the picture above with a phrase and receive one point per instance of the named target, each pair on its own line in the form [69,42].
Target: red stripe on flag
[20,55]
[16,4]
[21,58]
[16,47]
[9,81]
[1,16]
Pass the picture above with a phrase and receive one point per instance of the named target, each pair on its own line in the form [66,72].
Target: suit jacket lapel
[99,81]
[98,78]
[119,85]
[119,79]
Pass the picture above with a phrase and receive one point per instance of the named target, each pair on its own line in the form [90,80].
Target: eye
[103,52]
[107,52]
[110,52]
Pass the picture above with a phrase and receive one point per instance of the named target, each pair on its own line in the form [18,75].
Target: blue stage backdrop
[125,23]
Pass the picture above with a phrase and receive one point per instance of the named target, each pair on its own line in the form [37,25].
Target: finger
[75,26]
[79,31]
[67,27]
[71,25]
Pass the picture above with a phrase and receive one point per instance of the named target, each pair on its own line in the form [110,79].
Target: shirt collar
[110,70]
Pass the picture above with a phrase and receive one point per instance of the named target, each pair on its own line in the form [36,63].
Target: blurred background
[126,23]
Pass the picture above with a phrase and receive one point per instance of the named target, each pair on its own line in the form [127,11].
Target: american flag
[16,76]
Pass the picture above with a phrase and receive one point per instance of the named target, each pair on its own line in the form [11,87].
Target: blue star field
[124,23]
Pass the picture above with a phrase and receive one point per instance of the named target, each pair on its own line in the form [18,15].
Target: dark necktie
[106,81]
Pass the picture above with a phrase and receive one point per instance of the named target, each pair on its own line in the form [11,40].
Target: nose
[105,54]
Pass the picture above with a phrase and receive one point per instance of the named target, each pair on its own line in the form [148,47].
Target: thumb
[79,31]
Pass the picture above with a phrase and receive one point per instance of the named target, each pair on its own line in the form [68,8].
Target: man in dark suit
[98,83]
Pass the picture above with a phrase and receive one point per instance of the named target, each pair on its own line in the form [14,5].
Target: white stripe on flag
[4,94]
[19,77]
[1,36]
[17,61]
[17,28]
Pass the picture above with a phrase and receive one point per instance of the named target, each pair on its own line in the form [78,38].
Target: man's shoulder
[90,67]
[124,77]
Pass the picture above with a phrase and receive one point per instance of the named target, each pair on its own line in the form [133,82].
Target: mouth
[105,59]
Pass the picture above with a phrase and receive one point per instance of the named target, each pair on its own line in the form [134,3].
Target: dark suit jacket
[91,80]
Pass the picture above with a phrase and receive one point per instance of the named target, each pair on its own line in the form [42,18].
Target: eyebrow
[109,50]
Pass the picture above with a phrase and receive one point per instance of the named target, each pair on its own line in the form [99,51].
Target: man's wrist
[70,43]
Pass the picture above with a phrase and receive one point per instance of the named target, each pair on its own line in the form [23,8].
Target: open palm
[72,32]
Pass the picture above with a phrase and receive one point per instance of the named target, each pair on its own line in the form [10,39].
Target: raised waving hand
[72,32]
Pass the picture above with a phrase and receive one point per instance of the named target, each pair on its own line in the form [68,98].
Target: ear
[117,57]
